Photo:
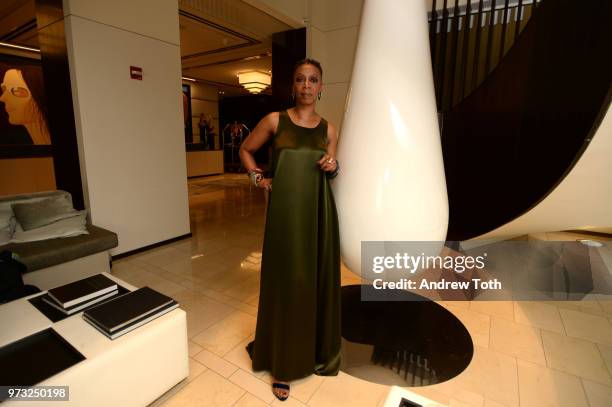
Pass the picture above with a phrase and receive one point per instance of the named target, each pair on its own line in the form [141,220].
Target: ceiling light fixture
[255,81]
[6,44]
[590,243]
[188,79]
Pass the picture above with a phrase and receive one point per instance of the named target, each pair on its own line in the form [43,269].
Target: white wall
[332,39]
[130,132]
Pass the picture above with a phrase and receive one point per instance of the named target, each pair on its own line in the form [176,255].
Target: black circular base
[413,342]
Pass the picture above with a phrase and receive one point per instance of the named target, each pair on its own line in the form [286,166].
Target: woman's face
[17,98]
[307,84]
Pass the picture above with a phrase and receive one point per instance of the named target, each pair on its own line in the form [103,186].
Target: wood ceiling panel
[18,22]
[200,37]
[227,72]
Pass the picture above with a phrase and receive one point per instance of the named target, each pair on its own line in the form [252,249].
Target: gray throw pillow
[6,234]
[32,215]
[6,218]
[73,226]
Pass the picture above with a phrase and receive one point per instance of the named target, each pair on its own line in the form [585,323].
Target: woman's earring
[319,95]
[293,96]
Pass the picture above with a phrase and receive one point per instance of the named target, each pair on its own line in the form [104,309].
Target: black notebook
[80,306]
[135,323]
[82,290]
[121,311]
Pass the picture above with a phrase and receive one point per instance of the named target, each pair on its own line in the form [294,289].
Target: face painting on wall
[23,118]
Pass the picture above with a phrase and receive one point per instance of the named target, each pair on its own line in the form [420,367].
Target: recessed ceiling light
[590,243]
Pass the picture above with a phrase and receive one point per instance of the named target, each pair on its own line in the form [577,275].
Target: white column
[130,132]
[392,184]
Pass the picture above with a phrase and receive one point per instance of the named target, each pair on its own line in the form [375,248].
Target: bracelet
[256,176]
[336,171]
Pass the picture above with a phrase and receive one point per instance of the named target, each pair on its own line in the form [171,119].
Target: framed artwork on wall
[24,130]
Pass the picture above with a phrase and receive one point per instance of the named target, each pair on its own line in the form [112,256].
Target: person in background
[210,132]
[203,128]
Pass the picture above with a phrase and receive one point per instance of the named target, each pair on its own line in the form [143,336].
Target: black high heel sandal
[281,386]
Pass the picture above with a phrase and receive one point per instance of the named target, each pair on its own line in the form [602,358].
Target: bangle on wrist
[255,175]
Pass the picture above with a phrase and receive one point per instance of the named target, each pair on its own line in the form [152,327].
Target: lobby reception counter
[204,162]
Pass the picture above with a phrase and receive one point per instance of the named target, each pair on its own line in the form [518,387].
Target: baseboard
[204,175]
[151,246]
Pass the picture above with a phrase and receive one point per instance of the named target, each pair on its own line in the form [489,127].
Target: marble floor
[526,353]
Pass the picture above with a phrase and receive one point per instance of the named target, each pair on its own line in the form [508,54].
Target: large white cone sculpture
[392,184]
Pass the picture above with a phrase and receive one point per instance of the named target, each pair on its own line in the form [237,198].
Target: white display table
[396,394]
[132,370]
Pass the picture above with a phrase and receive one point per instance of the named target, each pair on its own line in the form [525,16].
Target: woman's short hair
[308,61]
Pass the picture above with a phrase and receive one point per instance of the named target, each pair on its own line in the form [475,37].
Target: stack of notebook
[76,296]
[129,311]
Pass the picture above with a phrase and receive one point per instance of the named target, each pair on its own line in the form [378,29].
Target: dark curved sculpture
[509,143]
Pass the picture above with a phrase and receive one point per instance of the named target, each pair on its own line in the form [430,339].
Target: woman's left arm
[328,161]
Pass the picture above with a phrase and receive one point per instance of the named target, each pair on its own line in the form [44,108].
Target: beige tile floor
[526,353]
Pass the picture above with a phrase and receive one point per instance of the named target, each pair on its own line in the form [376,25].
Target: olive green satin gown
[298,322]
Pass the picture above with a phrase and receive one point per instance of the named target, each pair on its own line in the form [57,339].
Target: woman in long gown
[298,321]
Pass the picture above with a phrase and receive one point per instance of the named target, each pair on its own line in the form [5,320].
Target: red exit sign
[136,72]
